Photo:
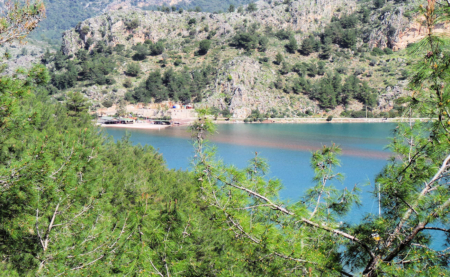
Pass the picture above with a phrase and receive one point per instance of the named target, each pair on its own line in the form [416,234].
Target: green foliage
[76,104]
[247,41]
[292,46]
[192,21]
[112,207]
[283,34]
[133,69]
[157,48]
[388,51]
[263,43]
[179,86]
[377,52]
[378,3]
[141,52]
[132,24]
[251,7]
[204,47]
[308,46]
[85,30]
[107,103]
[279,58]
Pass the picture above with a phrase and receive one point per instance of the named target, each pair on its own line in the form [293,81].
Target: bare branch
[88,264]
[50,226]
[437,229]
[293,259]
[154,267]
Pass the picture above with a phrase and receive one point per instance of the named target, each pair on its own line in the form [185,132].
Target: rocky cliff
[243,83]
[302,17]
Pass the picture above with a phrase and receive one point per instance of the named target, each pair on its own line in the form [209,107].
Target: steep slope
[65,14]
[337,40]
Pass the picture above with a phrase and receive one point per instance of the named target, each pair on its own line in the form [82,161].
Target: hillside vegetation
[286,59]
[65,14]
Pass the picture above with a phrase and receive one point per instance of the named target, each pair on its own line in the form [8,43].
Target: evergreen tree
[279,58]
[204,47]
[252,7]
[133,69]
[292,45]
[307,46]
[141,52]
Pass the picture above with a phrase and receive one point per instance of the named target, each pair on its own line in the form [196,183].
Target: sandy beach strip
[147,126]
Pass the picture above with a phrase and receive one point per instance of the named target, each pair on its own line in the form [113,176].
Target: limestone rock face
[395,30]
[300,17]
[34,51]
[244,85]
[387,98]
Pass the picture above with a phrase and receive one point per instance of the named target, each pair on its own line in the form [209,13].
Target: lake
[288,148]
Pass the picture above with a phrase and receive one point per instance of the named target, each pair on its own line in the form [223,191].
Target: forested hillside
[285,59]
[65,14]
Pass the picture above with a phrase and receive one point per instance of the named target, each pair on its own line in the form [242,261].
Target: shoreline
[147,126]
[310,120]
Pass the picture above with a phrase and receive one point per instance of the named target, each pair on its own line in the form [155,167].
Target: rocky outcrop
[387,98]
[22,55]
[243,85]
[300,17]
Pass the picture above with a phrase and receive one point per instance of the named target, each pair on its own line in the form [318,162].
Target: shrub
[329,118]
[205,45]
[133,24]
[292,46]
[110,80]
[211,34]
[157,48]
[283,34]
[127,83]
[133,69]
[388,51]
[177,62]
[85,30]
[192,21]
[279,58]
[377,51]
[248,41]
[252,7]
[119,48]
[378,3]
[107,103]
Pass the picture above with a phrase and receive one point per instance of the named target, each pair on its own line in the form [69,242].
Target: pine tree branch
[154,267]
[88,264]
[50,226]
[408,213]
[419,227]
[304,220]
[437,229]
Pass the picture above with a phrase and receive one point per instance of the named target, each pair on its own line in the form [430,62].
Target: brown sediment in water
[251,141]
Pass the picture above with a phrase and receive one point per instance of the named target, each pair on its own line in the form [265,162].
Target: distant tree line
[183,86]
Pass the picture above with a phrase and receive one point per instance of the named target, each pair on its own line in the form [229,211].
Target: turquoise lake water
[287,147]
